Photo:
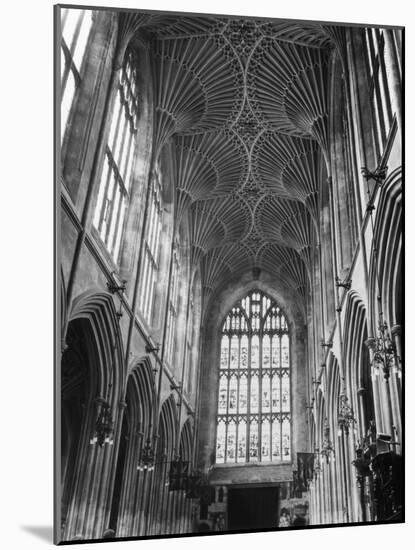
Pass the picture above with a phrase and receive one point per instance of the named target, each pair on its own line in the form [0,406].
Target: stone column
[396,384]
[370,343]
[362,420]
[391,61]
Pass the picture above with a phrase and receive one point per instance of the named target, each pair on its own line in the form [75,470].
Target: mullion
[156,246]
[397,45]
[67,69]
[123,199]
[143,278]
[238,383]
[369,47]
[156,223]
[120,229]
[227,399]
[112,146]
[105,195]
[112,205]
[117,172]
[124,130]
[248,386]
[371,52]
[125,169]
[378,107]
[260,393]
[387,103]
[119,143]
[76,32]
[149,285]
[64,18]
[151,223]
[117,208]
[348,159]
[372,59]
[271,376]
[150,277]
[280,377]
[70,67]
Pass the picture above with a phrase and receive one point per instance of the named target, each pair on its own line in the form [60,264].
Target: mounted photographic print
[229,282]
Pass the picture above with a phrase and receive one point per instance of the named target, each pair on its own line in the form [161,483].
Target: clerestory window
[116,177]
[254,403]
[378,61]
[173,306]
[150,262]
[76,25]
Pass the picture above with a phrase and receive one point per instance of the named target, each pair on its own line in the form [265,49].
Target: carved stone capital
[396,330]
[370,343]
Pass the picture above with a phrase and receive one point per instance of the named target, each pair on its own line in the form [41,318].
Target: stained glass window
[254,395]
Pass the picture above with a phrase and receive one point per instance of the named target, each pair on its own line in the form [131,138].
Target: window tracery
[254,403]
[151,250]
[173,305]
[115,184]
[379,71]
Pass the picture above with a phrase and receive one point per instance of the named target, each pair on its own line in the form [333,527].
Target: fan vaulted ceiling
[244,103]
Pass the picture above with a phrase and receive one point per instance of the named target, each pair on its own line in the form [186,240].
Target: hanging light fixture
[317,467]
[384,351]
[146,462]
[327,450]
[346,417]
[104,424]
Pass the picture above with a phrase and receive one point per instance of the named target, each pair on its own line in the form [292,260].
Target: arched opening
[75,393]
[90,370]
[129,504]
[357,363]
[119,473]
[167,425]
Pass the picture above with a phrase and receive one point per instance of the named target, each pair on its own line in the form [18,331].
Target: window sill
[252,464]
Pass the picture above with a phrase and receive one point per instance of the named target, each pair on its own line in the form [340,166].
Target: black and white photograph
[229,274]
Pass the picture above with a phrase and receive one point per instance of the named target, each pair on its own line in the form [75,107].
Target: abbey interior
[231,306]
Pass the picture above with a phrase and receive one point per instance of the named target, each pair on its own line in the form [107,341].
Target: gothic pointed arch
[165,453]
[62,304]
[91,373]
[254,396]
[388,261]
[138,419]
[357,361]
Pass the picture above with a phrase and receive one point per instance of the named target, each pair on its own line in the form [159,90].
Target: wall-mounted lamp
[327,345]
[152,349]
[346,283]
[378,175]
[345,417]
